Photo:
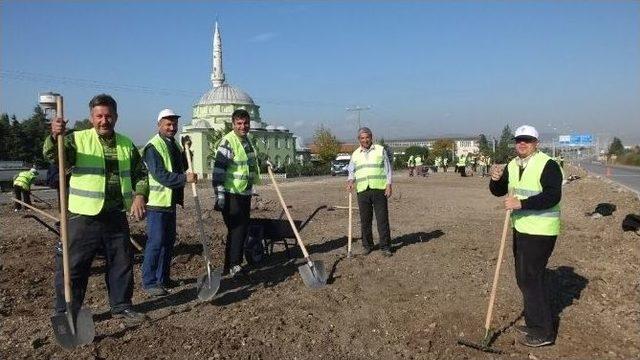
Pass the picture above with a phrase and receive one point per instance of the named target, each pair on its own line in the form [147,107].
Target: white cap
[526,130]
[167,113]
[33,169]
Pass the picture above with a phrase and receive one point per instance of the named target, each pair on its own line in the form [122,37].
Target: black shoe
[522,329]
[536,341]
[170,284]
[130,316]
[365,251]
[156,291]
[387,253]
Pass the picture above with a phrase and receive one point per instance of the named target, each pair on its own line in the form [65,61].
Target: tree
[34,130]
[505,150]
[83,125]
[616,147]
[328,145]
[417,150]
[5,136]
[483,145]
[443,148]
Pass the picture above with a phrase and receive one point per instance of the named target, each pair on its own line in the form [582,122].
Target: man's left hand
[512,203]
[138,208]
[388,191]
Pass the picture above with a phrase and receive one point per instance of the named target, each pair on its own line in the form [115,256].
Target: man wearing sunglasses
[536,184]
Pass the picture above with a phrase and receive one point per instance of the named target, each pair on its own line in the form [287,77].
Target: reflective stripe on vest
[160,195]
[242,169]
[534,222]
[369,172]
[88,181]
[24,180]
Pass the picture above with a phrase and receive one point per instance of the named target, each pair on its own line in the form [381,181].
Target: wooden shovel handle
[349,232]
[196,200]
[286,211]
[64,232]
[496,275]
[43,213]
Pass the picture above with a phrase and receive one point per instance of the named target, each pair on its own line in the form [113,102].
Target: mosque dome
[281,128]
[225,94]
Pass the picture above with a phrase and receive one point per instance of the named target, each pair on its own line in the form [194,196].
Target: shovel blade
[69,333]
[208,285]
[313,274]
[481,346]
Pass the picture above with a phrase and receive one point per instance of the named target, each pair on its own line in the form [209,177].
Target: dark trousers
[161,233]
[236,213]
[22,195]
[531,253]
[372,201]
[87,236]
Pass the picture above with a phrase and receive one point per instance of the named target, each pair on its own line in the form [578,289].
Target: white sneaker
[234,270]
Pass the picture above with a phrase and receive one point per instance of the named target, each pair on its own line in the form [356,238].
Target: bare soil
[414,305]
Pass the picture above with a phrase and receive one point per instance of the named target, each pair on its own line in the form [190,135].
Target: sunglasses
[525,140]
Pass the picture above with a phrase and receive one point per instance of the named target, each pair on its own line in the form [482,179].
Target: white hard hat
[167,113]
[526,131]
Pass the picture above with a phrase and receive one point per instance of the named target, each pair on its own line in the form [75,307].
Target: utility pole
[358,109]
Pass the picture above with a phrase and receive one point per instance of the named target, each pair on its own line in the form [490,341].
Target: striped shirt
[224,156]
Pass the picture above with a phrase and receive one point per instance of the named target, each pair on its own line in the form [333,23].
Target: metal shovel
[209,282]
[73,327]
[313,273]
[485,344]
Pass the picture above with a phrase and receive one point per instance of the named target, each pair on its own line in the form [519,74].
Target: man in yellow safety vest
[536,184]
[22,187]
[370,172]
[108,178]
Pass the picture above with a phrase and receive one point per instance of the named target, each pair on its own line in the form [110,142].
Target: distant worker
[537,184]
[461,166]
[437,163]
[166,161]
[371,172]
[419,170]
[108,178]
[445,164]
[411,164]
[235,171]
[22,187]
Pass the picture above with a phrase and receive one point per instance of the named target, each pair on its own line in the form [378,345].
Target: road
[627,175]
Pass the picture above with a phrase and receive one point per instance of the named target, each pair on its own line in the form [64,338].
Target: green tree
[328,145]
[16,143]
[483,145]
[5,136]
[616,147]
[443,148]
[417,150]
[505,150]
[34,131]
[83,124]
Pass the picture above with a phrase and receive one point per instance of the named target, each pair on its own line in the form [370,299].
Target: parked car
[340,164]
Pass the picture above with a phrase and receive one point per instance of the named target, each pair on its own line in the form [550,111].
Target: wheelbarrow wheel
[254,249]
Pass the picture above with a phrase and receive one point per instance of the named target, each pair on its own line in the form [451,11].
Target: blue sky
[424,68]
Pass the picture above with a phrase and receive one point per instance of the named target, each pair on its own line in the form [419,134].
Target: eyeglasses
[525,140]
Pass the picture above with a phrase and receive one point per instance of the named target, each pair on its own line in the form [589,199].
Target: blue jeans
[161,232]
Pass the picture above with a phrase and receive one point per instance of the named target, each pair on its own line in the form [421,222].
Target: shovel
[349,235]
[484,345]
[209,282]
[313,273]
[71,328]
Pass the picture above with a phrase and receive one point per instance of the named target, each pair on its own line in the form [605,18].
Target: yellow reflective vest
[369,171]
[533,222]
[160,195]
[88,181]
[24,180]
[243,169]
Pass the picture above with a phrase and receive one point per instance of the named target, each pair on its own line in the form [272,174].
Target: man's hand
[497,171]
[186,141]
[219,200]
[58,126]
[512,203]
[350,185]
[192,177]
[388,191]
[138,208]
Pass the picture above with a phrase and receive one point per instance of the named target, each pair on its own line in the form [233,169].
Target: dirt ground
[414,305]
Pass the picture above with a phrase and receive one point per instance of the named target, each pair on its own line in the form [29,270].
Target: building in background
[213,112]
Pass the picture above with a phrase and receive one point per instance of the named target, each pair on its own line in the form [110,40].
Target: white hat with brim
[526,131]
[167,113]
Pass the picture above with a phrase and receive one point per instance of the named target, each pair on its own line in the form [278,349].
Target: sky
[423,69]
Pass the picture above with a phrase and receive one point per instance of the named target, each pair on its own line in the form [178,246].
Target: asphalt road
[625,175]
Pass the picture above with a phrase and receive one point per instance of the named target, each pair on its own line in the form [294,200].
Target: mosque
[213,112]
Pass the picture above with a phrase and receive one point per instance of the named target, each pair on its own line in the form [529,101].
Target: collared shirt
[175,179]
[388,170]
[113,194]
[522,162]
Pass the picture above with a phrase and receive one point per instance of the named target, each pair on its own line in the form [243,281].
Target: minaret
[217,76]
